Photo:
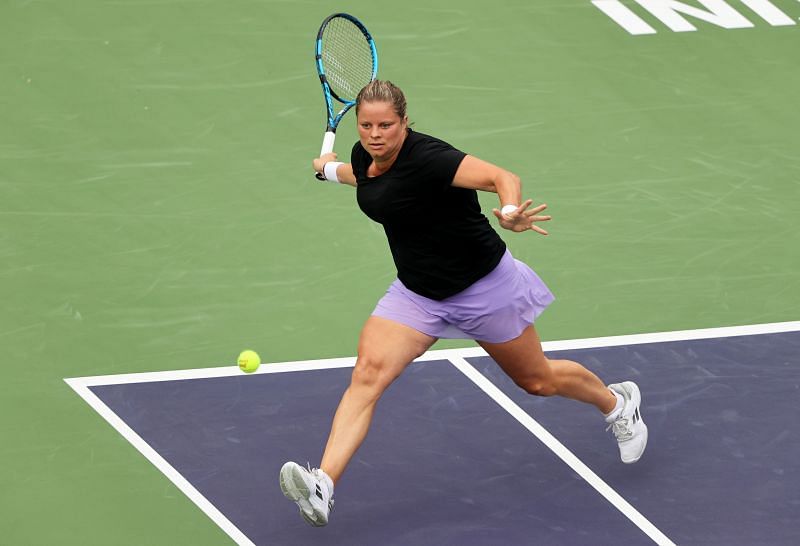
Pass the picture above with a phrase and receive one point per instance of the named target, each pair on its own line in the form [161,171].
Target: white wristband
[329,170]
[508,209]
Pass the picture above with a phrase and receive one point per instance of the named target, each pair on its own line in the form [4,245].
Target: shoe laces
[316,472]
[622,429]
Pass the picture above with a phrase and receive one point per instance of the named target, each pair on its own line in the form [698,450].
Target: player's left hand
[523,219]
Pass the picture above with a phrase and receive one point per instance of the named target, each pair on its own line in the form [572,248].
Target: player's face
[381,130]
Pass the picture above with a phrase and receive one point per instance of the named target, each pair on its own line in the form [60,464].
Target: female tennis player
[455,279]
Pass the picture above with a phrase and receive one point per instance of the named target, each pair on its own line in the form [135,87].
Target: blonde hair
[383,91]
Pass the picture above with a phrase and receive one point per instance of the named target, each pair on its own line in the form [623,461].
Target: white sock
[613,414]
[327,479]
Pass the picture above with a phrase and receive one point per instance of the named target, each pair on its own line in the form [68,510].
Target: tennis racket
[346,61]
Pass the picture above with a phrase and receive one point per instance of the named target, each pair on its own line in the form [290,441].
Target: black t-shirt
[440,241]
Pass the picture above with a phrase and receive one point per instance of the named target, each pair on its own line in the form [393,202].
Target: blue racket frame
[330,95]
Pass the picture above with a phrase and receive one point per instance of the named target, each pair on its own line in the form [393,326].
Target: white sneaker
[627,424]
[312,490]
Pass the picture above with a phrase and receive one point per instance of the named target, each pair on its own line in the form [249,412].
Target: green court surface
[158,209]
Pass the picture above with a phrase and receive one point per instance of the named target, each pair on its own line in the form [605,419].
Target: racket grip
[327,147]
[327,143]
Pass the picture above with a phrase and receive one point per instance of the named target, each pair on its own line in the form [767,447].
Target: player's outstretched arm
[333,170]
[476,174]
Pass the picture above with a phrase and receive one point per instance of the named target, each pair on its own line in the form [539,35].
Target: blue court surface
[459,455]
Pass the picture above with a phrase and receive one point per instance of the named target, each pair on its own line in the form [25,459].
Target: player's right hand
[319,163]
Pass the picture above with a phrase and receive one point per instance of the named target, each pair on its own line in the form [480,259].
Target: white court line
[160,463]
[562,452]
[82,385]
[443,354]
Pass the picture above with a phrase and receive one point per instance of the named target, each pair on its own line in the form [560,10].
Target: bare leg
[523,360]
[385,349]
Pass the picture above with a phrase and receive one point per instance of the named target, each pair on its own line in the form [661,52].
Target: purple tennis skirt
[495,309]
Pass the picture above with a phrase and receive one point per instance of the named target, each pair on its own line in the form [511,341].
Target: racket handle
[327,143]
[327,147]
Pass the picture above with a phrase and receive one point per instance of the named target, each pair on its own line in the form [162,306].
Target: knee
[370,374]
[537,386]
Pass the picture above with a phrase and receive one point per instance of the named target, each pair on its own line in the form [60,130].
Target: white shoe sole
[295,489]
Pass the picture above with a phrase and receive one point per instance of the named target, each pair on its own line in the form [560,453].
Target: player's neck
[382,165]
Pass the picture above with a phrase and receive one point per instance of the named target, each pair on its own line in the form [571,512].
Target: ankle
[332,477]
[614,407]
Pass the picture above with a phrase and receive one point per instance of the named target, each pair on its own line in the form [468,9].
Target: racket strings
[346,58]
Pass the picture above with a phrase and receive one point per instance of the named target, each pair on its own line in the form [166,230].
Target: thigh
[389,347]
[521,358]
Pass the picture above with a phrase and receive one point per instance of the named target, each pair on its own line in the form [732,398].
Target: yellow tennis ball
[249,361]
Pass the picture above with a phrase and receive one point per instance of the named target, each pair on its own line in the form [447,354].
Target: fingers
[536,210]
[534,218]
[539,230]
[329,157]
[524,220]
[319,162]
[522,209]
